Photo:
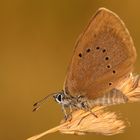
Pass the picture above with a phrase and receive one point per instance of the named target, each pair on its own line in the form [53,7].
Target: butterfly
[104,55]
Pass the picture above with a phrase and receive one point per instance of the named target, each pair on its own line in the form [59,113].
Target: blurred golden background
[36,42]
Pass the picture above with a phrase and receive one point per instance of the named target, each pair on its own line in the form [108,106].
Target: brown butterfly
[103,56]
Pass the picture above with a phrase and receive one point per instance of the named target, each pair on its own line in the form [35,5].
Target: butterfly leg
[67,116]
[93,113]
[65,112]
[86,107]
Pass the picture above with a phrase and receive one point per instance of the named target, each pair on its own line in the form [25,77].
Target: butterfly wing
[104,54]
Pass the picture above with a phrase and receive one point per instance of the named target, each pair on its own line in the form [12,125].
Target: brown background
[36,43]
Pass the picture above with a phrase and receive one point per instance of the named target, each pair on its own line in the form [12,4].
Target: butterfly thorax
[67,100]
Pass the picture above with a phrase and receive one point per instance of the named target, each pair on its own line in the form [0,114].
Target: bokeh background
[36,43]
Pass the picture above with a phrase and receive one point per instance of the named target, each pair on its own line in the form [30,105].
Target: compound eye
[59,97]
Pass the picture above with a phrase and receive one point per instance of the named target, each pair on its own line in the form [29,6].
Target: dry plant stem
[107,123]
[62,126]
[55,129]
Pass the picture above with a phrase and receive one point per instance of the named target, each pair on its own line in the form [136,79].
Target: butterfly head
[62,98]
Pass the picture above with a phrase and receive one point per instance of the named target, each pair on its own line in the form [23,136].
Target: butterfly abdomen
[112,98]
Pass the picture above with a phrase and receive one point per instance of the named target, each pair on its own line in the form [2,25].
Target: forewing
[104,54]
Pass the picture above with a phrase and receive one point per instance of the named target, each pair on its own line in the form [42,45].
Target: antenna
[38,104]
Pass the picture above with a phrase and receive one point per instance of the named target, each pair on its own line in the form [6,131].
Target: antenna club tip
[35,109]
[35,104]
